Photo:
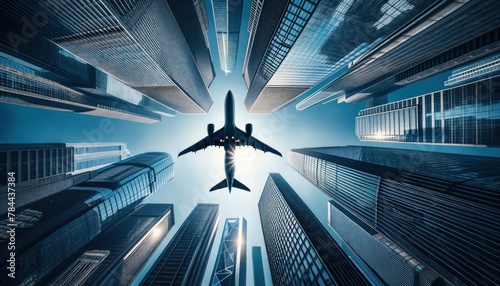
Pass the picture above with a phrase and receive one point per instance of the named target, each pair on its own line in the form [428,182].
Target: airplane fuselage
[229,140]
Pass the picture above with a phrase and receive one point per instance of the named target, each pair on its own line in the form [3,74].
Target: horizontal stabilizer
[222,184]
[239,185]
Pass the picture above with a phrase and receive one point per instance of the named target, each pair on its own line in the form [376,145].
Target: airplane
[230,137]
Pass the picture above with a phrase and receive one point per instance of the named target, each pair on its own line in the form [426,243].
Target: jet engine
[248,129]
[210,129]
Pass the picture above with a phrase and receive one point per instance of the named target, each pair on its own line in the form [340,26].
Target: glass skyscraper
[434,209]
[157,40]
[300,250]
[298,46]
[464,115]
[258,266]
[230,265]
[116,255]
[184,260]
[227,16]
[51,229]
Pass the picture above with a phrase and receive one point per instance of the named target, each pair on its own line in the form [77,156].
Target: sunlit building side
[477,69]
[53,228]
[117,255]
[230,265]
[429,208]
[462,115]
[300,250]
[184,259]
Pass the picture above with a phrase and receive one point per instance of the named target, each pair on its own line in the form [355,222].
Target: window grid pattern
[474,70]
[296,16]
[439,207]
[91,208]
[463,115]
[300,250]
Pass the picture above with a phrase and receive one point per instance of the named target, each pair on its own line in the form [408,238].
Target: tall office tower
[31,85]
[479,69]
[425,46]
[300,46]
[227,15]
[45,169]
[463,115]
[258,266]
[155,47]
[118,254]
[300,250]
[231,263]
[92,156]
[185,258]
[439,208]
[50,230]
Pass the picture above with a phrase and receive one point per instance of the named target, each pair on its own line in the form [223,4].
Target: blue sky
[195,174]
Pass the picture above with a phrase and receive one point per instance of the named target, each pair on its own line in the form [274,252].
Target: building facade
[230,265]
[258,266]
[50,230]
[117,255]
[300,250]
[161,41]
[421,49]
[227,16]
[464,115]
[429,208]
[92,156]
[299,46]
[184,260]
[485,67]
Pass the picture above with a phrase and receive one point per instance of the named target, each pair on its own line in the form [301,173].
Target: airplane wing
[254,142]
[214,140]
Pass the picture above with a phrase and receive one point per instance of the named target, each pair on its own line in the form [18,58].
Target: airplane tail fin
[220,185]
[239,185]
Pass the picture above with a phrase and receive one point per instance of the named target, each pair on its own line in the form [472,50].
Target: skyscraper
[230,265]
[45,169]
[440,208]
[147,37]
[116,255]
[426,46]
[184,260]
[464,115]
[485,67]
[300,250]
[258,266]
[227,16]
[50,230]
[299,46]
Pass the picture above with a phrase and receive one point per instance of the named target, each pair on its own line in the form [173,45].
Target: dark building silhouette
[231,263]
[160,41]
[462,115]
[116,255]
[301,46]
[299,248]
[50,230]
[184,260]
[435,207]
[258,266]
[227,16]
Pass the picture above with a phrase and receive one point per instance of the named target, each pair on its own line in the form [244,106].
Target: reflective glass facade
[313,40]
[258,266]
[230,265]
[57,226]
[463,115]
[438,207]
[120,36]
[92,156]
[184,260]
[122,249]
[300,250]
[227,15]
[474,70]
